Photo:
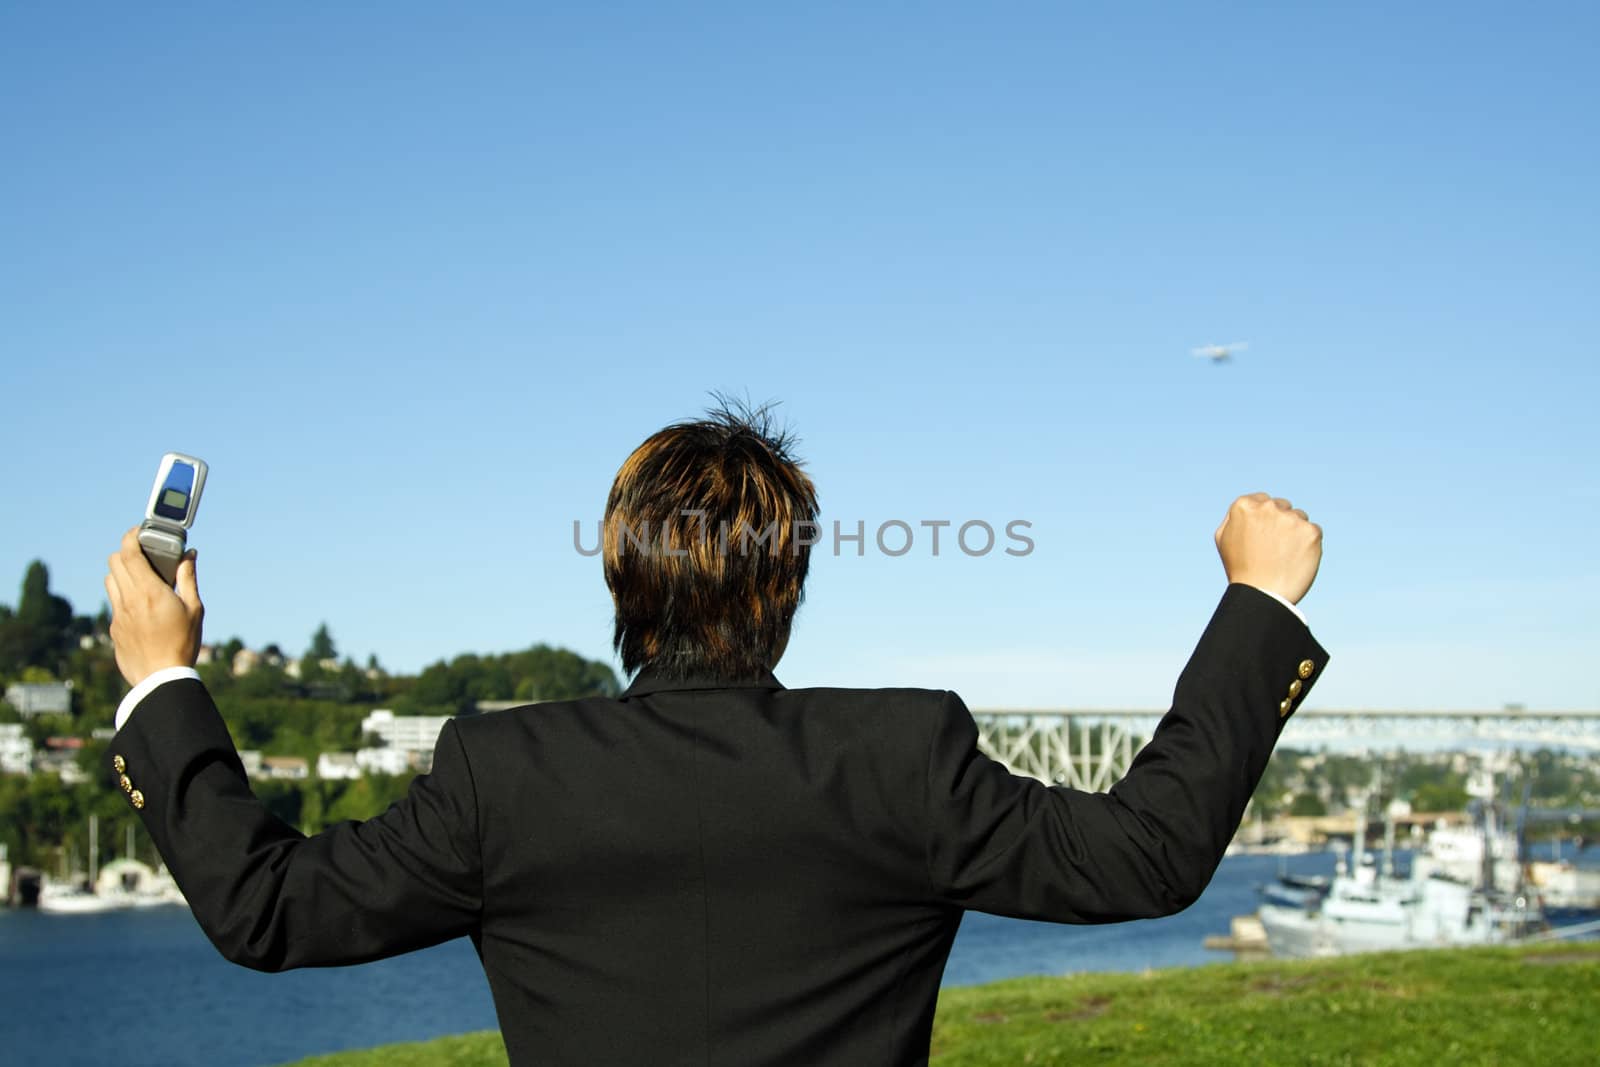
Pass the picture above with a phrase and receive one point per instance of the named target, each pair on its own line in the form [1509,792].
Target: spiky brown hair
[706,545]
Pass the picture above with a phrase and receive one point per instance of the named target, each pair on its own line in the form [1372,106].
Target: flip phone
[164,533]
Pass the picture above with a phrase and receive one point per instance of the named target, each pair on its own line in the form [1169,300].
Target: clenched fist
[152,625]
[1266,542]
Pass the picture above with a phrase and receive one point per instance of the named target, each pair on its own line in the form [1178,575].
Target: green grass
[1473,1006]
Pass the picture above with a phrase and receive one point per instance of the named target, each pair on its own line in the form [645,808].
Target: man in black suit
[712,868]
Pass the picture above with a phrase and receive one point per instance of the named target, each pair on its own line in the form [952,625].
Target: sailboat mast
[1359,848]
[1388,841]
[1490,830]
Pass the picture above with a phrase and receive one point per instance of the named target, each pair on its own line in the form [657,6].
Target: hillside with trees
[275,703]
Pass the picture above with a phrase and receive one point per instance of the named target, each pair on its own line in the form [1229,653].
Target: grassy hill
[1472,1006]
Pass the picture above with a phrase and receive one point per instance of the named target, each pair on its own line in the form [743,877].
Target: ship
[1450,899]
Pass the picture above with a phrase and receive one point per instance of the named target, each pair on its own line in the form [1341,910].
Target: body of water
[145,986]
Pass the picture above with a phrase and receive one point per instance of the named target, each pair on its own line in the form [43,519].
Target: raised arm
[1010,845]
[267,896]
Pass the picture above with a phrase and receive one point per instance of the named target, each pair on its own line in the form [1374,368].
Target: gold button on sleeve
[119,763]
[137,798]
[1294,689]
[126,783]
[1306,667]
[1283,708]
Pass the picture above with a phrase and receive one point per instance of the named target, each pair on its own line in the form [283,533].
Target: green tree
[1444,795]
[1308,804]
[353,682]
[40,816]
[41,629]
[217,677]
[322,646]
[264,680]
[97,684]
[46,616]
[438,686]
[537,673]
[11,643]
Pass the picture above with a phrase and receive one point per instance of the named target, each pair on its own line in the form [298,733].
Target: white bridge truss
[1093,748]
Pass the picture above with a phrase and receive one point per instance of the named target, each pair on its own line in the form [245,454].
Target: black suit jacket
[713,873]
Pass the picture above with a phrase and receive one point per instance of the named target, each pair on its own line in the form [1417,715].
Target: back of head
[707,540]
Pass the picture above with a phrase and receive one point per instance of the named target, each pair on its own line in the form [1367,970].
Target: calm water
[145,987]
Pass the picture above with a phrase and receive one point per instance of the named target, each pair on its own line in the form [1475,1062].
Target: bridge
[1092,748]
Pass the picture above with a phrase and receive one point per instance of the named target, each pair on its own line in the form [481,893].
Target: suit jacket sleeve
[271,898]
[1014,846]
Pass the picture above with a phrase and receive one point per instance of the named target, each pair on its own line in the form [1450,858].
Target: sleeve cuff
[149,684]
[1297,612]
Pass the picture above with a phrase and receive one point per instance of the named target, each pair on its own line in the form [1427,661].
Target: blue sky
[415,279]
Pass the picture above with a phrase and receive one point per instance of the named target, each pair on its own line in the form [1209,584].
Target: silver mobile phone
[164,533]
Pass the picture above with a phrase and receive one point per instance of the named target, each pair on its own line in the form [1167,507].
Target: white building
[411,733]
[16,749]
[384,760]
[406,742]
[338,765]
[40,698]
[251,758]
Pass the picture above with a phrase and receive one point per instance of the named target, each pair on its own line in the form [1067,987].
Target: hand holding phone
[174,499]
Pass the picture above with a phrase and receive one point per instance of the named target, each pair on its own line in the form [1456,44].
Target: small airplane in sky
[1219,353]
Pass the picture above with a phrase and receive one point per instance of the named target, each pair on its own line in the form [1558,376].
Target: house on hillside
[40,698]
[16,749]
[286,768]
[338,765]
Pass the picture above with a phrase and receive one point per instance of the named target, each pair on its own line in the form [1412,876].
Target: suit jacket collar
[654,680]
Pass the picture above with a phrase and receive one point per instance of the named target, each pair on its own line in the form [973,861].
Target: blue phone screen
[173,500]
